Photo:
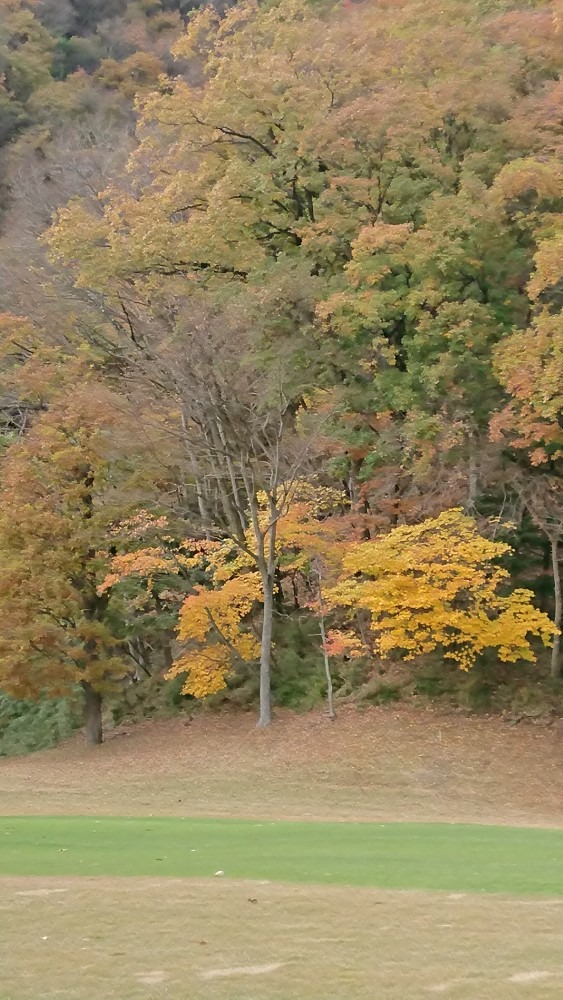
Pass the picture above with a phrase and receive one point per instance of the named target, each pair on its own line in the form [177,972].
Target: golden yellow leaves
[529,175]
[206,670]
[431,586]
[436,586]
[219,612]
[199,34]
[548,260]
[216,621]
[211,626]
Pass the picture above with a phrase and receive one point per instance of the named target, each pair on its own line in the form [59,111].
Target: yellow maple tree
[215,624]
[437,585]
[211,627]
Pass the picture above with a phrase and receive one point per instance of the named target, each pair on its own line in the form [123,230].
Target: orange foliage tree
[217,625]
[65,474]
[529,362]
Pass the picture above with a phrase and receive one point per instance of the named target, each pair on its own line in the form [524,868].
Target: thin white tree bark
[265,716]
[326,658]
[555,649]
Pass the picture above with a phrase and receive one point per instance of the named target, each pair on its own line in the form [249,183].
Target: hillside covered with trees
[281,346]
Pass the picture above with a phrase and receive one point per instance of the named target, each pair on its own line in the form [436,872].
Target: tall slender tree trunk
[92,714]
[555,649]
[266,563]
[167,656]
[329,691]
[266,652]
[473,479]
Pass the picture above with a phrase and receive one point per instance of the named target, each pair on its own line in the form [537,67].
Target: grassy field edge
[441,856]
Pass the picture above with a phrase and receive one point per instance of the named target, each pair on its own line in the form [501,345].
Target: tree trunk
[473,480]
[92,714]
[329,692]
[555,658]
[167,656]
[266,653]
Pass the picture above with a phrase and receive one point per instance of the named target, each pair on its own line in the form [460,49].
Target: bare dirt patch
[375,764]
[529,977]
[39,892]
[137,938]
[151,978]
[241,970]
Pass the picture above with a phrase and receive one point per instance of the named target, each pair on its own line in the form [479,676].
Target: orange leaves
[62,481]
[340,643]
[144,563]
[381,236]
[303,535]
[529,363]
[148,562]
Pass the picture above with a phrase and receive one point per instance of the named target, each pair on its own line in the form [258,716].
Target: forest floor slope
[378,764]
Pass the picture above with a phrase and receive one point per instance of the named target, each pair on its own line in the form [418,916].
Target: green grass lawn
[466,858]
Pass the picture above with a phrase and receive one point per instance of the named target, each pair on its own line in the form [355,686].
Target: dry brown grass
[377,764]
[128,939]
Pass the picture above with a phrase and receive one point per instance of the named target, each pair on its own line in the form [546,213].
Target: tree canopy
[295,299]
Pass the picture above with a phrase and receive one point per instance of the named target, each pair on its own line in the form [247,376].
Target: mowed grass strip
[464,858]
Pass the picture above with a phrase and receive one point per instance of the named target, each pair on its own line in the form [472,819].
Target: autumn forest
[281,351]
